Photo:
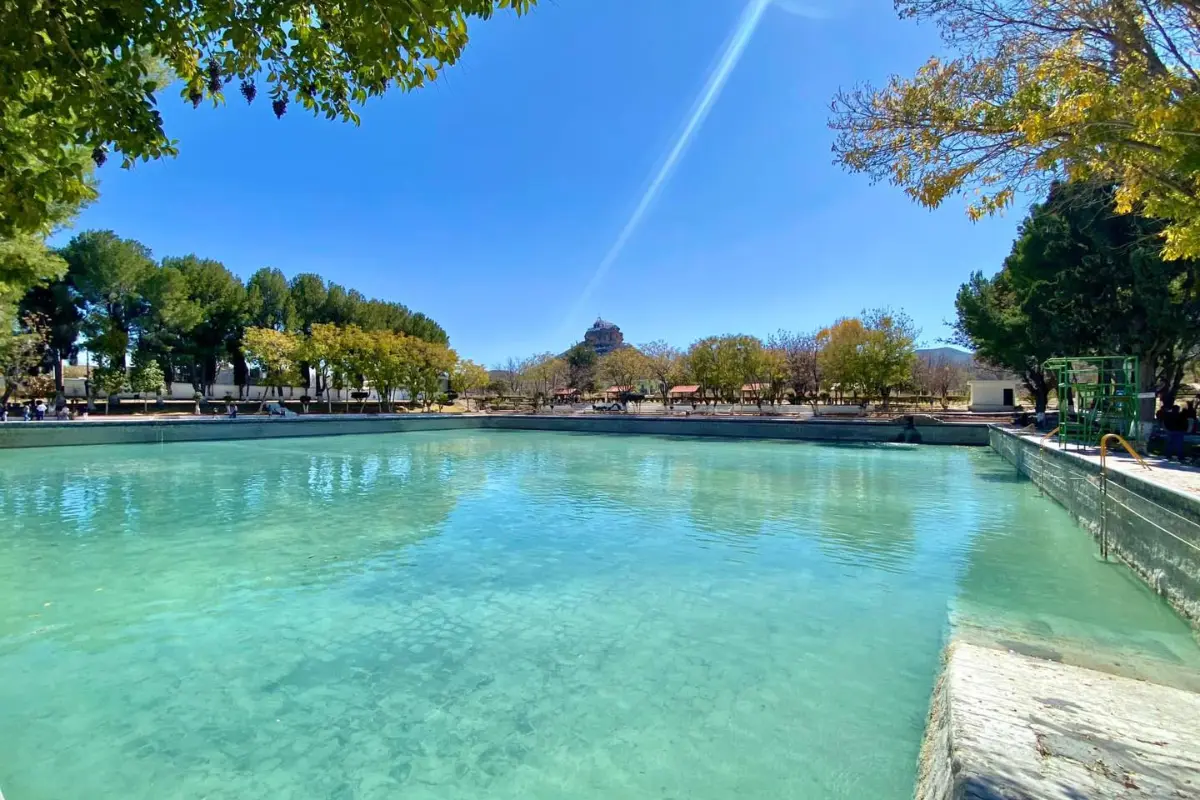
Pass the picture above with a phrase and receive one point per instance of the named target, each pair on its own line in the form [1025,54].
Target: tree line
[146,322]
[349,357]
[872,355]
[1085,279]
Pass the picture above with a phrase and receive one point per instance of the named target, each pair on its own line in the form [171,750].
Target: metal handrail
[1104,449]
[1039,464]
[1104,484]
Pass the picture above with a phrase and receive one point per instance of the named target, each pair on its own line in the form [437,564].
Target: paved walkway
[1006,726]
[1170,474]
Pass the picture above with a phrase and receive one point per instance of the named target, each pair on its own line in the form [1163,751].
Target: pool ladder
[1103,486]
[1104,440]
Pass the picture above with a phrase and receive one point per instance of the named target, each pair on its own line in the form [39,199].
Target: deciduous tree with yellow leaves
[839,358]
[1042,89]
[430,363]
[469,377]
[276,354]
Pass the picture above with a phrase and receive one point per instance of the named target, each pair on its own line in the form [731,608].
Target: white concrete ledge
[1005,726]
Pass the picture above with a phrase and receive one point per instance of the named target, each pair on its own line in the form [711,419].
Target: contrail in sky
[746,26]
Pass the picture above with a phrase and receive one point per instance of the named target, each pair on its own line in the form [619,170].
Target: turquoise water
[518,615]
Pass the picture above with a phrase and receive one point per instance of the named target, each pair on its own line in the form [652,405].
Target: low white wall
[75,388]
[840,411]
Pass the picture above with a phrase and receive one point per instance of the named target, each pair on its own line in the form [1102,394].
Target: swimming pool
[517,614]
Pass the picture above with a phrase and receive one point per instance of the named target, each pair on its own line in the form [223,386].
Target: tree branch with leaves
[86,77]
[1041,90]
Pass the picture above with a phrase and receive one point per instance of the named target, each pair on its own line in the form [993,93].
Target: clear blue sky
[489,200]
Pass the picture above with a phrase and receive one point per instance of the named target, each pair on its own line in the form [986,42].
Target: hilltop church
[604,337]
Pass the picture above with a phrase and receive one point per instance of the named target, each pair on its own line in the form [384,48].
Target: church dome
[603,337]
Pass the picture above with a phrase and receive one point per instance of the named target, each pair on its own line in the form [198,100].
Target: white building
[993,395]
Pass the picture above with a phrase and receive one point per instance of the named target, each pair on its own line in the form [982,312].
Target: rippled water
[517,615]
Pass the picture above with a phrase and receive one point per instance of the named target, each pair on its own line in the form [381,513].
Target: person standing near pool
[1175,424]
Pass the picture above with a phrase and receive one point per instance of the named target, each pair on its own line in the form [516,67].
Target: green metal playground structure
[1097,395]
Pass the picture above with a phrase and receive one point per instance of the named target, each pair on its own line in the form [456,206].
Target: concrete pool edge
[151,431]
[1006,725]
[1153,528]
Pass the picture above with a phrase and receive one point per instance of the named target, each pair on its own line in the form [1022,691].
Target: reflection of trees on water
[187,523]
[179,525]
[857,502]
[865,501]
[743,500]
[591,472]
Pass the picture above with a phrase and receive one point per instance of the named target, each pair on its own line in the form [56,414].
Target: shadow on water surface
[858,510]
[1002,477]
[844,445]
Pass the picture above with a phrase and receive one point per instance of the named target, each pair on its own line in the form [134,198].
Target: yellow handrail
[1104,449]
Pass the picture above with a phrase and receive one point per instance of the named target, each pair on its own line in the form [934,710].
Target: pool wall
[200,429]
[751,428]
[99,431]
[1153,528]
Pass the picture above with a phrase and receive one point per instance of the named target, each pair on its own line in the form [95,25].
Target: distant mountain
[974,370]
[959,358]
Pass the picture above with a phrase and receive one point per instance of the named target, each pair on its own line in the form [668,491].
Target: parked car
[621,403]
